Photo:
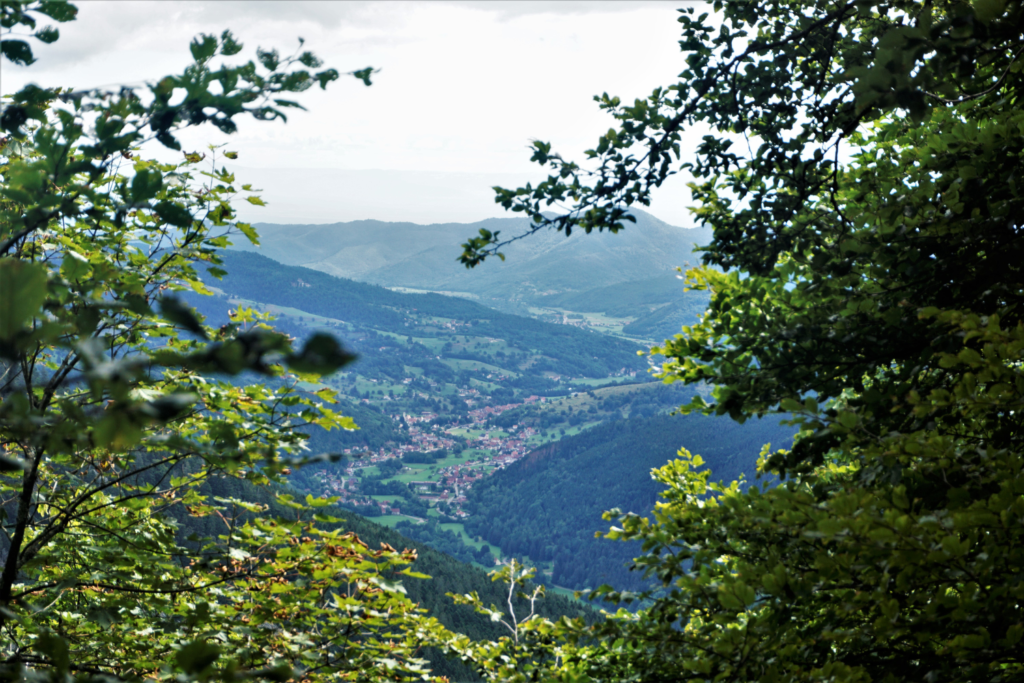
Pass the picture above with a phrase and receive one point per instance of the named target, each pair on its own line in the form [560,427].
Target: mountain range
[424,257]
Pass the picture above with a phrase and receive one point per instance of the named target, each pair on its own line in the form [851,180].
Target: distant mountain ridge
[415,256]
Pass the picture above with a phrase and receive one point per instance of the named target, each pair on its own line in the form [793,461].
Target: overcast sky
[463,89]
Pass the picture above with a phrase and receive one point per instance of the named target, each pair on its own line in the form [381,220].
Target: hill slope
[653,308]
[570,349]
[549,504]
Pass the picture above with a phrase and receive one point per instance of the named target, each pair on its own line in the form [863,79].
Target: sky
[463,89]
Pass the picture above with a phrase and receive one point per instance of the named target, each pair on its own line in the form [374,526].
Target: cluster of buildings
[420,440]
[575,322]
[451,482]
[453,325]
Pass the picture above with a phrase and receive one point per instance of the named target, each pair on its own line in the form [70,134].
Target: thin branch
[983,93]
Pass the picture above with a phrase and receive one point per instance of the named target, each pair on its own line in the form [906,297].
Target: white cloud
[517,8]
[464,86]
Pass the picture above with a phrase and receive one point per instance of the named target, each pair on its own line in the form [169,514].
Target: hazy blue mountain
[659,306]
[424,256]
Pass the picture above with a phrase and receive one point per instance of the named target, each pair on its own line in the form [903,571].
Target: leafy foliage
[870,250]
[115,416]
[446,573]
[532,641]
[15,14]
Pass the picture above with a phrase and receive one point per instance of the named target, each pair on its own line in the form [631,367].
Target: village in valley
[466,452]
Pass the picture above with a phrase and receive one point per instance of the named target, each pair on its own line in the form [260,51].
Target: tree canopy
[120,407]
[862,177]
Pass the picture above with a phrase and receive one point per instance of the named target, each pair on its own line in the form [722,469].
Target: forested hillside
[566,349]
[444,390]
[624,299]
[548,505]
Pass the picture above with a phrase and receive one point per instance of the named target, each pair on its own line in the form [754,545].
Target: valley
[456,400]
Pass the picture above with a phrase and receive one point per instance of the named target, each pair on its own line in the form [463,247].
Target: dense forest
[548,506]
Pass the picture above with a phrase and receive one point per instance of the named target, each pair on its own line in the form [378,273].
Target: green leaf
[288,500]
[270,59]
[847,419]
[203,47]
[116,430]
[33,95]
[12,118]
[363,75]
[310,60]
[56,650]
[791,405]
[87,320]
[326,76]
[138,305]
[168,140]
[989,10]
[729,599]
[228,45]
[197,656]
[322,354]
[23,288]
[178,313]
[59,10]
[75,266]
[48,34]
[249,232]
[18,51]
[173,214]
[830,526]
[146,184]
[415,575]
